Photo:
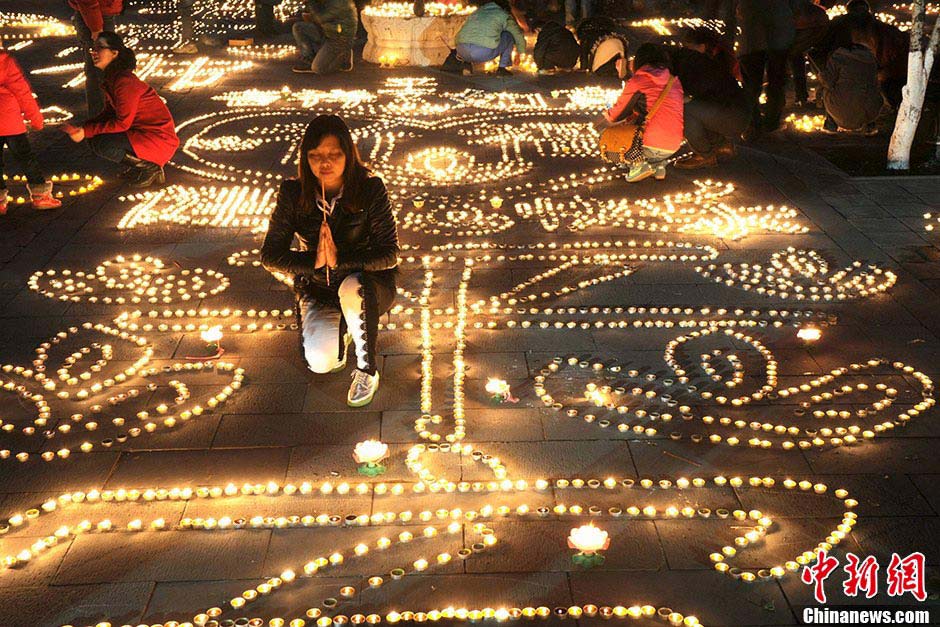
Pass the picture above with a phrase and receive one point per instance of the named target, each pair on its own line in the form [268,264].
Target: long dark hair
[652,55]
[126,59]
[354,174]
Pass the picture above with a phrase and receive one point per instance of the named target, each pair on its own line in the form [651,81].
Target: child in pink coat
[663,131]
[17,102]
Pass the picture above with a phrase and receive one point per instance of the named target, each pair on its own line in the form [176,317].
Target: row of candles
[588,540]
[605,397]
[203,206]
[132,279]
[66,185]
[31,384]
[471,219]
[797,274]
[314,616]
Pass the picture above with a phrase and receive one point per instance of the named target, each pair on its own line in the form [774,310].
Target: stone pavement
[285,426]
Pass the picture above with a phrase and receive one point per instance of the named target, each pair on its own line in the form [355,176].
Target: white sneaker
[186,48]
[362,389]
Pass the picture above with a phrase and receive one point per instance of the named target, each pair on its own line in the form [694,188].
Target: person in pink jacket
[17,102]
[662,134]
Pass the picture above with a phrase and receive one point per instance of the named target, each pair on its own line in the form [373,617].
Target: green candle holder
[587,560]
[371,470]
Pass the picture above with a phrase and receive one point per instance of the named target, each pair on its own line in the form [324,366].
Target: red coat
[665,129]
[92,11]
[132,106]
[16,99]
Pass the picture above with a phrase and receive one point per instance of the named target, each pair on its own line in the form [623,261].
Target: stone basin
[410,40]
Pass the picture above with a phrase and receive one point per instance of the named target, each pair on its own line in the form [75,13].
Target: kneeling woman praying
[345,271]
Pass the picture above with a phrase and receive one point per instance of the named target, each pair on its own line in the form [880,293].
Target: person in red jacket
[662,134]
[135,128]
[16,101]
[90,19]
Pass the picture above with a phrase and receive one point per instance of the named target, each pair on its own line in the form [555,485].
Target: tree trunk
[919,64]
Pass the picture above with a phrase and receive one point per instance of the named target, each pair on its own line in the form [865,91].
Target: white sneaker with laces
[362,389]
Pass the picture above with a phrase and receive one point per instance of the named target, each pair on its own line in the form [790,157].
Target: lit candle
[368,454]
[499,390]
[809,334]
[589,541]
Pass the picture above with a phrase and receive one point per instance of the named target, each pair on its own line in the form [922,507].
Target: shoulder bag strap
[662,97]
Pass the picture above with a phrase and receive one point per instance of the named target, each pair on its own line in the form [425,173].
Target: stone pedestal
[418,41]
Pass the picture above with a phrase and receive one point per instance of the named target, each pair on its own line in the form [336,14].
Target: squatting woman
[345,271]
[135,127]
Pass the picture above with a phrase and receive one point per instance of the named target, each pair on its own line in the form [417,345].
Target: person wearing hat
[90,18]
[135,128]
[602,42]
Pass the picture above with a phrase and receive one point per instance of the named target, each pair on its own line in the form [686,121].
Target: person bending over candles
[346,268]
[135,128]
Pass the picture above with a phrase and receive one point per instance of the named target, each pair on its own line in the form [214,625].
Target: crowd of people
[705,92]
[725,87]
[860,62]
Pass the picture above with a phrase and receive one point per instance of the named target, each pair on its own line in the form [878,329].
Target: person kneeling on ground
[716,108]
[345,271]
[850,90]
[556,48]
[489,33]
[325,36]
[135,128]
[662,133]
[17,101]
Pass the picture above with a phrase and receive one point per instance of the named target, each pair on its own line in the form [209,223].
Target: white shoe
[186,48]
[362,389]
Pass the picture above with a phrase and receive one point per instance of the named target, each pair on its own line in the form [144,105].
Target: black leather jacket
[366,240]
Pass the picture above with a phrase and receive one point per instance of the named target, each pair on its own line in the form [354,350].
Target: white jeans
[323,345]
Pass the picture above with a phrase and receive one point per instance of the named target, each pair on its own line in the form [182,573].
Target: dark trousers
[753,66]
[23,154]
[891,90]
[264,17]
[325,54]
[111,146]
[187,23]
[806,38]
[94,97]
[709,124]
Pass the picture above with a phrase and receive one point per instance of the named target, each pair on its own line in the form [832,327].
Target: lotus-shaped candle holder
[589,542]
[369,454]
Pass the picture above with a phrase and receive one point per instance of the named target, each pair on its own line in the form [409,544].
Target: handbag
[623,142]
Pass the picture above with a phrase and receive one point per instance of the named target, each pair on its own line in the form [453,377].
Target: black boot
[130,163]
[149,173]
